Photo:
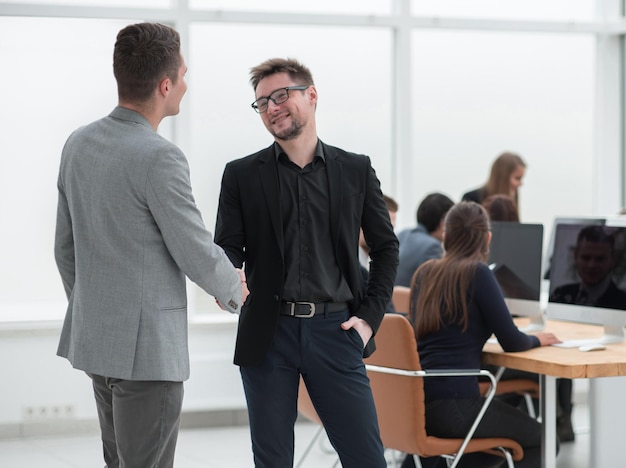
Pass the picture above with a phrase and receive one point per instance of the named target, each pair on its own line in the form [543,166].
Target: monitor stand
[612,334]
[537,323]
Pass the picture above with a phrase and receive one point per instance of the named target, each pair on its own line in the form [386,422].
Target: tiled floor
[223,447]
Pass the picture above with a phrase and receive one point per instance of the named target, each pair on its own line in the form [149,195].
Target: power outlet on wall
[44,412]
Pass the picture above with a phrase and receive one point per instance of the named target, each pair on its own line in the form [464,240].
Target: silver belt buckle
[311,309]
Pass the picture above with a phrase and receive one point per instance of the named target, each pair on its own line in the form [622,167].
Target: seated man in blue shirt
[422,242]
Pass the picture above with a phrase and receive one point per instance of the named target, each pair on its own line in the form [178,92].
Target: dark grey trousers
[139,421]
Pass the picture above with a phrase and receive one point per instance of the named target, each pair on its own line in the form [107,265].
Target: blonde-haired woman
[505,177]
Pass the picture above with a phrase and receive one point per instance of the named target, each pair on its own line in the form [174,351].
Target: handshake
[245,292]
[244,286]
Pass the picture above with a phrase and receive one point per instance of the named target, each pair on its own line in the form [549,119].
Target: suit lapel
[334,169]
[269,180]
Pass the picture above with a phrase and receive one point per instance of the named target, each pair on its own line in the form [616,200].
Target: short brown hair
[392,205]
[144,54]
[296,71]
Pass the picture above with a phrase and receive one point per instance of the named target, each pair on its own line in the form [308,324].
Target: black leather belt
[309,309]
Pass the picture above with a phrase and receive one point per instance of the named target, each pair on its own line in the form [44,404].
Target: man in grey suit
[422,242]
[128,231]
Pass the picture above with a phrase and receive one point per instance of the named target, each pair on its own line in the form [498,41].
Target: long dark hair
[439,288]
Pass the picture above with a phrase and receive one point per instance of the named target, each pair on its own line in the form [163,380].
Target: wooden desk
[551,362]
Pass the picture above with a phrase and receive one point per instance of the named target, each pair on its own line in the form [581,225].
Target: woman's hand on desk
[546,339]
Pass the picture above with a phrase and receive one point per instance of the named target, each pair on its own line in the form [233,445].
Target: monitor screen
[550,245]
[515,256]
[588,277]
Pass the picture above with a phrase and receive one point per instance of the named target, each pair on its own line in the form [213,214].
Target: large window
[553,10]
[60,77]
[353,83]
[433,103]
[354,7]
[478,94]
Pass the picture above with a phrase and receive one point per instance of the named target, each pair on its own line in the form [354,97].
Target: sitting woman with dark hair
[456,305]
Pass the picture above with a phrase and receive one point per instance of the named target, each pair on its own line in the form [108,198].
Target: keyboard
[577,343]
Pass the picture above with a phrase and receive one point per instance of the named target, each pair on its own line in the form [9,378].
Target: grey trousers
[139,421]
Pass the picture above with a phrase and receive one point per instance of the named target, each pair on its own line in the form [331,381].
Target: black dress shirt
[312,272]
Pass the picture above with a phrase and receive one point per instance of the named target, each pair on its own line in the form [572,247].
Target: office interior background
[432,90]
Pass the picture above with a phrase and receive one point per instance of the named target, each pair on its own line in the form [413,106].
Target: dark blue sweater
[451,348]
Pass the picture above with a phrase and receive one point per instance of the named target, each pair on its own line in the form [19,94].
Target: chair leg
[325,445]
[450,460]
[508,457]
[316,436]
[530,406]
[396,456]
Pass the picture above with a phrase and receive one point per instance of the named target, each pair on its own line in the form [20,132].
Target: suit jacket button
[276,298]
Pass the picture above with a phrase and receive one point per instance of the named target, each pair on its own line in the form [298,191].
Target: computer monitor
[587,277]
[550,245]
[515,256]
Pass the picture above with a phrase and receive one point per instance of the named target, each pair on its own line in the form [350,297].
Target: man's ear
[312,92]
[164,86]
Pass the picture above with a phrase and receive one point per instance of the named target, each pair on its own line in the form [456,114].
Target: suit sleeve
[171,202]
[496,314]
[229,227]
[64,243]
[383,245]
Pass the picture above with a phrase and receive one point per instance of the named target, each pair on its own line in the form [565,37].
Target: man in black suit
[291,214]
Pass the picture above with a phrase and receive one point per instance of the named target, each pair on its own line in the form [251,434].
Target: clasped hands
[245,292]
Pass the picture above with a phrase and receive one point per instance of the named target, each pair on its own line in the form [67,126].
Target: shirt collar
[319,151]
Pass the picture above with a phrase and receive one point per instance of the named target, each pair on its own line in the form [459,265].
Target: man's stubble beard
[294,131]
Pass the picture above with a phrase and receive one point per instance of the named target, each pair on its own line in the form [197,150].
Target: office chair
[401,298]
[396,380]
[528,389]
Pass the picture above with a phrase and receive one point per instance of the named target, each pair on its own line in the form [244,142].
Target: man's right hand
[245,292]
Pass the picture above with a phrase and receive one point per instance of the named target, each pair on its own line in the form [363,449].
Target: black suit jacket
[249,228]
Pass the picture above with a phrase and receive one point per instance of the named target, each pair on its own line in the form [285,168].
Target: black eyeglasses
[277,97]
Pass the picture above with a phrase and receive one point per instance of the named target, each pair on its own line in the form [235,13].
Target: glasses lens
[260,105]
[279,96]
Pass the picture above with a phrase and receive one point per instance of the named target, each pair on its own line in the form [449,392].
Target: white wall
[42,392]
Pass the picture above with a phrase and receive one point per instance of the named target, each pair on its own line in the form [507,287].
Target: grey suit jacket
[416,246]
[128,231]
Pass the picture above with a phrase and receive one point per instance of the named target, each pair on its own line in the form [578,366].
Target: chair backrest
[400,399]
[401,418]
[401,298]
